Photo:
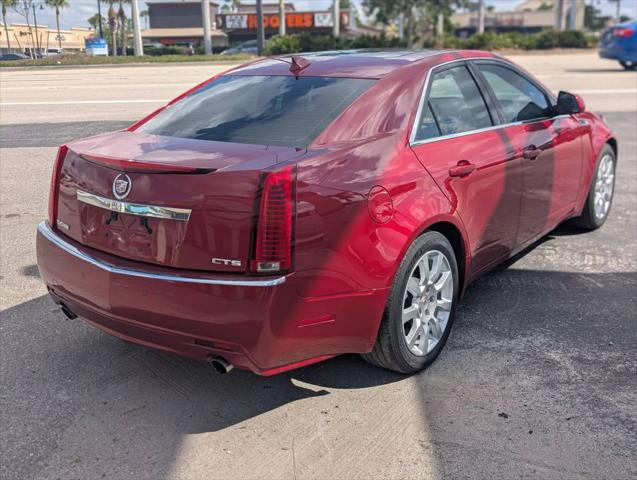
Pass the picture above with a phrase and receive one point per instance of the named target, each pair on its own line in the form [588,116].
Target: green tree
[94,22]
[386,11]
[57,5]
[144,14]
[7,4]
[121,14]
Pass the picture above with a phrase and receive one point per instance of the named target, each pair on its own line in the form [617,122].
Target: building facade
[176,23]
[23,37]
[528,16]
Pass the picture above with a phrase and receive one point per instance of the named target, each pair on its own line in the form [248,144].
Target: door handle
[531,153]
[462,169]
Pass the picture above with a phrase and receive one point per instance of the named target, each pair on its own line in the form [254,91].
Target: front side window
[264,110]
[519,99]
[453,105]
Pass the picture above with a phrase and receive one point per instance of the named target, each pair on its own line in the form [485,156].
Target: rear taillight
[54,188]
[273,241]
[623,32]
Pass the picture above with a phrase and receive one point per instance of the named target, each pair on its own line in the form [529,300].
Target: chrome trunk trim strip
[45,230]
[153,211]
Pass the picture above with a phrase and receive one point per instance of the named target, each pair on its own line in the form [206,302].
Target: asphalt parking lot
[538,379]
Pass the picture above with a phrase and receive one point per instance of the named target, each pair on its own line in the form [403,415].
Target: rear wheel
[420,308]
[600,195]
[628,65]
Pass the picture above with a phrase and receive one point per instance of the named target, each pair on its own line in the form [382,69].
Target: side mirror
[568,104]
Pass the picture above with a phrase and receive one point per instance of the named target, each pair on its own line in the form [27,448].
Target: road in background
[538,378]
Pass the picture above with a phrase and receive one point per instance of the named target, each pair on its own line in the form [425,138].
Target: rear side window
[453,105]
[519,99]
[265,110]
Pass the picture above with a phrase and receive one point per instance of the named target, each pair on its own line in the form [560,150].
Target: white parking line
[605,92]
[82,102]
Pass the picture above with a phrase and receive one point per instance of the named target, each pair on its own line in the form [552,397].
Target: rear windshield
[265,110]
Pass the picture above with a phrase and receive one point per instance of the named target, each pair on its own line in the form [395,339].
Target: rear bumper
[261,324]
[614,52]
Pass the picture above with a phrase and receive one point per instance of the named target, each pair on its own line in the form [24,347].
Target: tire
[590,219]
[392,350]
[628,65]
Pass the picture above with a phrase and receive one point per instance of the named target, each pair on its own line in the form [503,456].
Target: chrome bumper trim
[49,234]
[181,214]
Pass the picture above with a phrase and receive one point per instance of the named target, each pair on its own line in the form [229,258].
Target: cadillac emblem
[121,186]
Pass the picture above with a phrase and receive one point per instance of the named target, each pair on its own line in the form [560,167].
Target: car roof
[340,63]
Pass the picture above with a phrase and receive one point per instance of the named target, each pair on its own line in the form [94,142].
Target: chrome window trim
[153,211]
[45,230]
[414,127]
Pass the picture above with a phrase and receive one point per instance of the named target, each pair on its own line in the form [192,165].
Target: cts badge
[227,262]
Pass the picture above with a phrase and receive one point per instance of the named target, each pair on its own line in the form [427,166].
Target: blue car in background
[619,42]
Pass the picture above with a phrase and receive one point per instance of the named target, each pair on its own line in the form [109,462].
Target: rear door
[473,161]
[550,147]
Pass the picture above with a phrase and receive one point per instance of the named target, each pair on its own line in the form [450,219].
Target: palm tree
[7,4]
[144,14]
[57,5]
[122,25]
[111,21]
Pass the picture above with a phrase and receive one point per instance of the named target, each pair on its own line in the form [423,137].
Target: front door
[549,147]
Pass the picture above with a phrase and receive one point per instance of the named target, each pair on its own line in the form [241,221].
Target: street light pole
[481,16]
[137,33]
[99,18]
[35,22]
[260,32]
[337,18]
[281,17]
[572,16]
[207,40]
[559,15]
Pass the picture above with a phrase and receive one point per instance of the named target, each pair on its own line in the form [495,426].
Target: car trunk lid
[181,203]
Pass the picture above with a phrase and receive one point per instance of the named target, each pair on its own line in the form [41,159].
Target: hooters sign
[293,20]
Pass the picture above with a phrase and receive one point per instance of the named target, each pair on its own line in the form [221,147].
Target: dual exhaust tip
[220,364]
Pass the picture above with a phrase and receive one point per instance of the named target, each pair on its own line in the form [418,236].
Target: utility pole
[352,17]
[99,18]
[281,17]
[559,15]
[260,33]
[337,19]
[572,16]
[137,30]
[207,35]
[481,16]
[37,39]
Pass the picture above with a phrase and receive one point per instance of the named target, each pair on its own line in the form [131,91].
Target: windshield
[266,110]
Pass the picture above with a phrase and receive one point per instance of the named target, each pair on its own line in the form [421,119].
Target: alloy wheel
[604,185]
[427,302]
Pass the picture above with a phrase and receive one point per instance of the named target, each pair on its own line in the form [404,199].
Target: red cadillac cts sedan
[297,208]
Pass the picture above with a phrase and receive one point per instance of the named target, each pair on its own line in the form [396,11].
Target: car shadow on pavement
[524,359]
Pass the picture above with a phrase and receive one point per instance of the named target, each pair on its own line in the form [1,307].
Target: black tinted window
[454,105]
[259,109]
[519,99]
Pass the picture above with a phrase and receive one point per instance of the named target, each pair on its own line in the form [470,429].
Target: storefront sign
[293,20]
[95,46]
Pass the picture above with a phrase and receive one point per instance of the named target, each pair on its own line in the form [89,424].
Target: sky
[80,10]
